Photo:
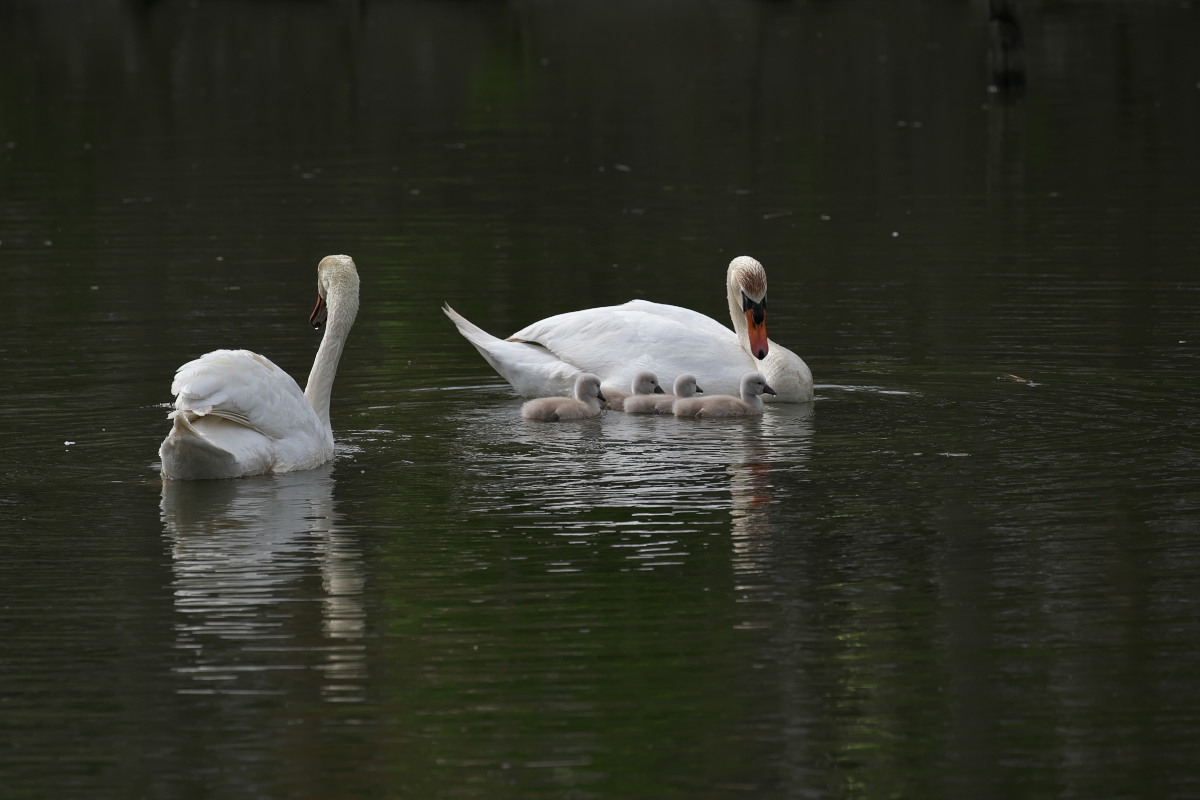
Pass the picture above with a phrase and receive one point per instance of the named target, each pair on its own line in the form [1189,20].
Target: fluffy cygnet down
[644,383]
[685,386]
[754,385]
[584,405]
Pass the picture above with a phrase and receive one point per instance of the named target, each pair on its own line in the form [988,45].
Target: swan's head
[747,285]
[336,276]
[685,385]
[587,386]
[754,384]
[646,383]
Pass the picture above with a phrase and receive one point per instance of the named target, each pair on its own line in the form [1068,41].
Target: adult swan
[617,342]
[236,413]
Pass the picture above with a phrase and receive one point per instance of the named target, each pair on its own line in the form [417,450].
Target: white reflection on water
[244,554]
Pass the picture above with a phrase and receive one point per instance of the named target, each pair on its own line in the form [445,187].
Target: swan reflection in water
[245,554]
[652,488]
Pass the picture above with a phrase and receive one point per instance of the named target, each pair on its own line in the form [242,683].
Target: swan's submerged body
[685,386]
[237,413]
[617,342]
[584,405]
[750,403]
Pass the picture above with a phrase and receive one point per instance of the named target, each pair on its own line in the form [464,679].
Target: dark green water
[934,581]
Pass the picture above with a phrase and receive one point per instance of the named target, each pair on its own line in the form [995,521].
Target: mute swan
[685,386]
[237,414]
[754,385]
[615,342]
[584,405]
[645,384]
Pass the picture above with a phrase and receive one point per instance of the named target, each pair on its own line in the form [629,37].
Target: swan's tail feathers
[531,369]
[483,341]
[217,444]
[187,453]
[472,332]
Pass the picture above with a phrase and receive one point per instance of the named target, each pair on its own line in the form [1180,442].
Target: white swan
[754,385]
[615,342]
[236,413]
[685,386]
[645,384]
[584,405]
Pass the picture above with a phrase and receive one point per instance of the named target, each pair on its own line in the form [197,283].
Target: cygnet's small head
[754,384]
[646,383]
[336,275]
[587,386]
[686,386]
[747,284]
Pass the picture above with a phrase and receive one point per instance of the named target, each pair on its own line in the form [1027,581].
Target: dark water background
[934,581]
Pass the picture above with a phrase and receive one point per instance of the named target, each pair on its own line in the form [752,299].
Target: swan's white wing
[616,342]
[245,388]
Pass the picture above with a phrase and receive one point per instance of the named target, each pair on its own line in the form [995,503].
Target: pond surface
[968,569]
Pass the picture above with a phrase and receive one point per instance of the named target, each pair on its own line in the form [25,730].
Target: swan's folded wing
[242,387]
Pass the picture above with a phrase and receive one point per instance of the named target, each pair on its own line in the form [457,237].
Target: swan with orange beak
[617,342]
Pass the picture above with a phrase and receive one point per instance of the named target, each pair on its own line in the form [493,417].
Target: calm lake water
[969,569]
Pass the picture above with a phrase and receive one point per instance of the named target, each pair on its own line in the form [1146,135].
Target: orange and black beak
[317,317]
[756,325]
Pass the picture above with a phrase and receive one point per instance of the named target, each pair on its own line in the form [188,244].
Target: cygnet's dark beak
[658,390]
[767,389]
[604,399]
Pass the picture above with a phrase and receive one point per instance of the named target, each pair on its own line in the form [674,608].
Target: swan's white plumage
[237,413]
[616,342]
[749,403]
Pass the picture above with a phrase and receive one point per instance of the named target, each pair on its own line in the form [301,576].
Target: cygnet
[584,405]
[644,384]
[754,386]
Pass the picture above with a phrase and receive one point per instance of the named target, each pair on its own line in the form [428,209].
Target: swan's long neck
[733,293]
[342,300]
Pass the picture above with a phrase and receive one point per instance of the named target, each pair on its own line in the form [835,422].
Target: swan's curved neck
[733,293]
[343,308]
